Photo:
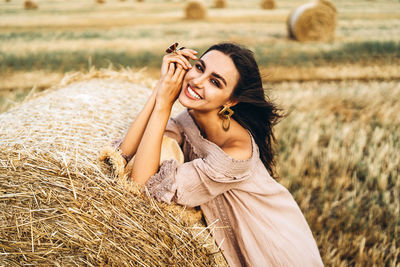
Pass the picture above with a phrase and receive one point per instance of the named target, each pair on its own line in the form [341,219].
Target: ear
[231,103]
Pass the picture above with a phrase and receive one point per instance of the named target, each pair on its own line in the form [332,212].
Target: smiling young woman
[226,135]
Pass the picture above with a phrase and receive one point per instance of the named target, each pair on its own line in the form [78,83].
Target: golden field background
[339,145]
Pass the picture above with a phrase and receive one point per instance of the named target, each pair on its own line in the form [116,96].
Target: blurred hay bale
[313,21]
[195,9]
[139,1]
[30,5]
[268,4]
[100,1]
[61,205]
[8,0]
[220,3]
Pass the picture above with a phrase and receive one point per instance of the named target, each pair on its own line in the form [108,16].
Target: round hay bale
[100,1]
[195,9]
[314,21]
[60,205]
[8,0]
[220,3]
[30,5]
[268,4]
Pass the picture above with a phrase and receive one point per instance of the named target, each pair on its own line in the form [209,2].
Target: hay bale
[220,3]
[60,205]
[28,4]
[268,4]
[314,21]
[100,1]
[195,9]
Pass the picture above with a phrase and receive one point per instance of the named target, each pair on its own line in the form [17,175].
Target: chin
[183,102]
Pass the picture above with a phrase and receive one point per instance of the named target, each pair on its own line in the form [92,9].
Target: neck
[209,124]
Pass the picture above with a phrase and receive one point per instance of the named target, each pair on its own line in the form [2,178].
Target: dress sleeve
[116,144]
[173,130]
[192,183]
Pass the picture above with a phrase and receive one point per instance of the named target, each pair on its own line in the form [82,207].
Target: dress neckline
[197,132]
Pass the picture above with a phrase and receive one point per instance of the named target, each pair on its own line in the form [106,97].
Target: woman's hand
[173,70]
[180,57]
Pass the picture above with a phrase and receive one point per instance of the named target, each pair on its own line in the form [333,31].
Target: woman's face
[209,84]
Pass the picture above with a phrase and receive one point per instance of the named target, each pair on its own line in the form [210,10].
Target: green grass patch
[384,52]
[63,61]
[388,51]
[75,35]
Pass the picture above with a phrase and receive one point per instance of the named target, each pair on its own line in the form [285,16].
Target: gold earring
[226,117]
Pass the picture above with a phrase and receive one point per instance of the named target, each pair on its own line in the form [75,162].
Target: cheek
[190,74]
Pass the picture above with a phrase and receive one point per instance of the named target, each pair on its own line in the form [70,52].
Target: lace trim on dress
[163,181]
[193,147]
[214,154]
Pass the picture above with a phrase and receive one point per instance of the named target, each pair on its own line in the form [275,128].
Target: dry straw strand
[60,205]
[313,21]
[195,9]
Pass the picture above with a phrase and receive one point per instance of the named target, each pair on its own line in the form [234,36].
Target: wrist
[162,107]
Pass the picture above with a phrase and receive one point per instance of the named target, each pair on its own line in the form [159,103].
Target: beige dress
[254,219]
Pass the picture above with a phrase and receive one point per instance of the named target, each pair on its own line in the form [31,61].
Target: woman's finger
[188,53]
[181,60]
[178,72]
[178,69]
[171,69]
[181,75]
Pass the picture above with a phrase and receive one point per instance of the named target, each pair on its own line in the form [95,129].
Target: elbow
[140,176]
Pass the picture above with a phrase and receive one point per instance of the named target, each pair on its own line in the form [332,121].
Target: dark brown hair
[254,111]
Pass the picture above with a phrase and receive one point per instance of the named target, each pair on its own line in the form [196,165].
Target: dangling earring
[226,117]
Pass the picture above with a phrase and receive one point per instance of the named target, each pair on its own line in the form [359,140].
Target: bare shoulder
[239,147]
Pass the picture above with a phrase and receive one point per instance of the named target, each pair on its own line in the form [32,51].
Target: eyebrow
[214,73]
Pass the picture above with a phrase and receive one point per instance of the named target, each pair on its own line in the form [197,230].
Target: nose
[198,81]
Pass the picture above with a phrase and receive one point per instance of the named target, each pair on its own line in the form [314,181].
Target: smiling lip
[188,94]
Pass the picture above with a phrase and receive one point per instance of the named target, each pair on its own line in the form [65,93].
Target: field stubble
[339,156]
[60,37]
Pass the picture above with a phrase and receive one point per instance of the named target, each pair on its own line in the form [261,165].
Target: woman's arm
[147,156]
[134,135]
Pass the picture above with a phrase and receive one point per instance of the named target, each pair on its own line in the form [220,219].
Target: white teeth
[192,93]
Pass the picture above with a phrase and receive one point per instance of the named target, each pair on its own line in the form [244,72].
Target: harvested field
[339,144]
[339,157]
[80,37]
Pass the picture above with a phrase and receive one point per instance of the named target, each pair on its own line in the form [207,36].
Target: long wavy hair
[254,110]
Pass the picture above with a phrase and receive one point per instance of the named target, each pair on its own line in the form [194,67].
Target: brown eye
[215,82]
[199,67]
